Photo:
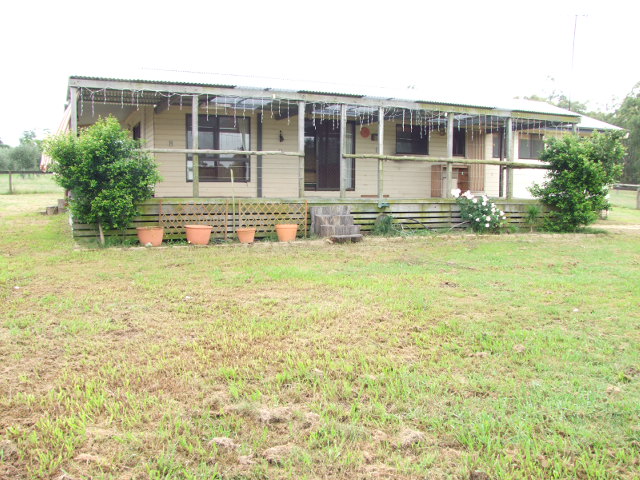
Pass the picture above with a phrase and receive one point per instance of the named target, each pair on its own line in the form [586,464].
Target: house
[321,142]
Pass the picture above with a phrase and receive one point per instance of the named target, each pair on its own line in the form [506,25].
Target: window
[411,140]
[136,132]
[499,150]
[530,146]
[459,141]
[221,133]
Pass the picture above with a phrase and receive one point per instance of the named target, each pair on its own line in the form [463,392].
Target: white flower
[488,218]
[478,220]
[475,200]
[503,217]
[487,225]
[455,192]
[467,194]
[501,212]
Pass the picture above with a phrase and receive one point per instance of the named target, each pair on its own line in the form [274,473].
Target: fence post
[638,199]
[10,184]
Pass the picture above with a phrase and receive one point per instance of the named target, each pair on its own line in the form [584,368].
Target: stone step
[346,238]
[333,219]
[330,230]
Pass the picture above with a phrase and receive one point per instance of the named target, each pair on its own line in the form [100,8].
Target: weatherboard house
[299,143]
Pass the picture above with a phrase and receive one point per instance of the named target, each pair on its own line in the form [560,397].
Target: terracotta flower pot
[150,236]
[198,234]
[286,232]
[246,235]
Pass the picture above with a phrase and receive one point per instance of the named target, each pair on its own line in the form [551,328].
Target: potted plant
[198,234]
[246,234]
[286,232]
[150,236]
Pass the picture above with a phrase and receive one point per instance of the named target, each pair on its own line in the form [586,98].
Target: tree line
[26,156]
[626,115]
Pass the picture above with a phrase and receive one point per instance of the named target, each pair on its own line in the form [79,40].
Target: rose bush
[481,213]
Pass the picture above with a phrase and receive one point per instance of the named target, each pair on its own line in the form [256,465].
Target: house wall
[402,179]
[280,173]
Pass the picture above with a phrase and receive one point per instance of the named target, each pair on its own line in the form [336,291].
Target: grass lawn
[434,357]
[30,184]
[623,209]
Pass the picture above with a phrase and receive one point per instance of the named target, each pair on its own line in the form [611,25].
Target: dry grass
[517,356]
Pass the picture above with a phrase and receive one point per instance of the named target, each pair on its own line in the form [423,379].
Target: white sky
[490,49]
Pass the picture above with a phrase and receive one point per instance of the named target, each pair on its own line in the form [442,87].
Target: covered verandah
[90,97]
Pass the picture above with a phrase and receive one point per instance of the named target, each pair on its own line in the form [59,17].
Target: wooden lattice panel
[175,217]
[264,216]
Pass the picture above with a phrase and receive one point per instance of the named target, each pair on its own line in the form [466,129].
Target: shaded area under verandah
[103,96]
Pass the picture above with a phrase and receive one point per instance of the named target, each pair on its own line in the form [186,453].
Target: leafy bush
[106,172]
[384,225]
[481,213]
[577,185]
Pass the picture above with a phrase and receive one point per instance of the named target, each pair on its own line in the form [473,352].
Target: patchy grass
[518,356]
[36,183]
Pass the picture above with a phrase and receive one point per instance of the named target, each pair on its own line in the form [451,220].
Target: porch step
[346,238]
[334,221]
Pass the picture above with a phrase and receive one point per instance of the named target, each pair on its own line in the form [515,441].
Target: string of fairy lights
[424,122]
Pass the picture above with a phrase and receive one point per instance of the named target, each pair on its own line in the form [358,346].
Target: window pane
[459,140]
[497,139]
[234,137]
[411,141]
[221,133]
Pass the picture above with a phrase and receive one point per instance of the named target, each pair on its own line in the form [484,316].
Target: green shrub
[106,172]
[384,225]
[532,216]
[581,170]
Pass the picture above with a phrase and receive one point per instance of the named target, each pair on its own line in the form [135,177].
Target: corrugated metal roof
[181,77]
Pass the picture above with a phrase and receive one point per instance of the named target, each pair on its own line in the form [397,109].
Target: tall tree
[628,117]
[26,156]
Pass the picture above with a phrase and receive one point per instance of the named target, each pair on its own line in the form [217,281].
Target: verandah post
[301,107]
[380,152]
[195,144]
[73,102]
[343,170]
[509,142]
[450,119]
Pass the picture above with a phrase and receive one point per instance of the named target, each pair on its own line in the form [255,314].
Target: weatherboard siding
[402,179]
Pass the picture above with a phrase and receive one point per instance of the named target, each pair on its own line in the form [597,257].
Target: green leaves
[581,170]
[105,171]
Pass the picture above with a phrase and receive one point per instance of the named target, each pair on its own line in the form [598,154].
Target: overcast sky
[490,49]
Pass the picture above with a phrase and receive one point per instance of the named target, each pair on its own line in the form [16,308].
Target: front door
[322,155]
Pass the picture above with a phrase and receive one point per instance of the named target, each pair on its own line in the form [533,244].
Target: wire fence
[27,181]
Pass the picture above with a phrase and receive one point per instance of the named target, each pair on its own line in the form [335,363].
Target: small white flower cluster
[481,213]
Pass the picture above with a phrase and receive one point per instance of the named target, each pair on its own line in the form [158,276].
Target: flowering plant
[481,213]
